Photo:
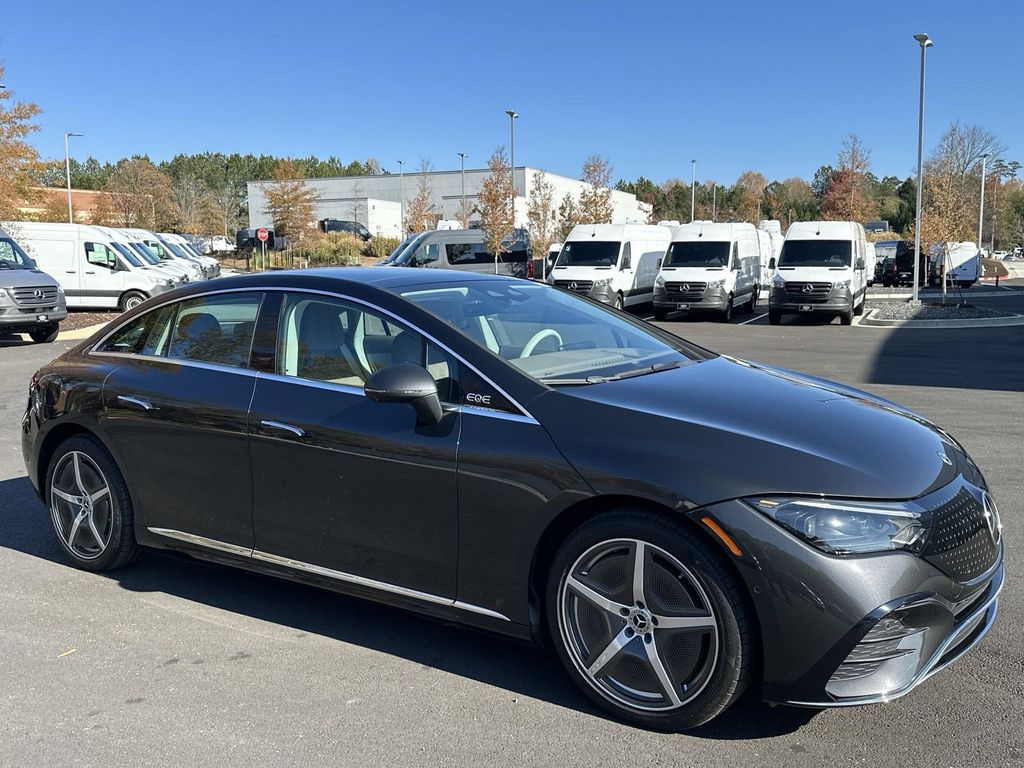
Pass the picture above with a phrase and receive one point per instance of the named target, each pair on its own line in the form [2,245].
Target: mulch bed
[76,319]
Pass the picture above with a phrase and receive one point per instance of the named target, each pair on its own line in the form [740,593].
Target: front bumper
[818,614]
[785,303]
[715,299]
[15,319]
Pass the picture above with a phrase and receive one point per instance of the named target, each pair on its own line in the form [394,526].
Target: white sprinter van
[125,246]
[87,266]
[168,252]
[958,262]
[820,271]
[709,267]
[870,259]
[613,263]
[210,265]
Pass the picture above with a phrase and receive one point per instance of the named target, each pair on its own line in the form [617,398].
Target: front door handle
[137,402]
[278,426]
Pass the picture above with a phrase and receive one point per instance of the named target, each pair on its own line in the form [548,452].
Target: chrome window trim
[321,292]
[319,570]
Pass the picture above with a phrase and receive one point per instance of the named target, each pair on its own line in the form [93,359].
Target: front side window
[145,335]
[552,336]
[426,254]
[100,255]
[12,257]
[215,329]
[589,253]
[331,340]
[816,253]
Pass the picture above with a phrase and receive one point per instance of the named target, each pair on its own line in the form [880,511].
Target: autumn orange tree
[595,205]
[847,197]
[19,160]
[540,216]
[420,215]
[291,203]
[141,195]
[495,204]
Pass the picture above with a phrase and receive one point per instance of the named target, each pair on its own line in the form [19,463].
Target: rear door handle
[279,427]
[137,402]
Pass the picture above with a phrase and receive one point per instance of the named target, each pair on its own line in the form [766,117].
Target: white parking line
[753,319]
[649,317]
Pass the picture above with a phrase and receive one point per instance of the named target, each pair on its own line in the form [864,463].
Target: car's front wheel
[90,509]
[649,621]
[45,334]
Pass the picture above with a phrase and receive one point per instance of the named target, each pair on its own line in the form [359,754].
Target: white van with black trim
[820,271]
[89,269]
[613,263]
[709,268]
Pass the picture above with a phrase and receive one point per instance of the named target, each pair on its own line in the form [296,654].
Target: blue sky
[773,87]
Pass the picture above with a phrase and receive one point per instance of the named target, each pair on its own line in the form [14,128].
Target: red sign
[262,234]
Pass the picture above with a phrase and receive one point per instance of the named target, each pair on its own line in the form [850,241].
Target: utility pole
[67,171]
[693,190]
[925,42]
[464,212]
[512,115]
[401,195]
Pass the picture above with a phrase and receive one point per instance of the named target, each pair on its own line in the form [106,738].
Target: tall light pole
[512,115]
[67,172]
[463,212]
[981,211]
[693,190]
[714,200]
[401,194]
[925,42]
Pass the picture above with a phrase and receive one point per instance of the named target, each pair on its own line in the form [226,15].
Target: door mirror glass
[771,263]
[860,264]
[406,383]
[627,257]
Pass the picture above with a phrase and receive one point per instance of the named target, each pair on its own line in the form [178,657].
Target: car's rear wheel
[90,509]
[649,621]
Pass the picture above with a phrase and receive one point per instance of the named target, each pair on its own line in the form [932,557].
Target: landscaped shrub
[380,247]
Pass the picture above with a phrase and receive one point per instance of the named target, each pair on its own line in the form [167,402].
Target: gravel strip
[76,320]
[901,310]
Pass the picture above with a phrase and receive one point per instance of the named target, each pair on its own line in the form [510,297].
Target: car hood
[22,278]
[724,428]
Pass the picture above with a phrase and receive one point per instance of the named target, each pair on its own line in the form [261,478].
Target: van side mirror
[771,263]
[406,383]
[627,262]
[860,264]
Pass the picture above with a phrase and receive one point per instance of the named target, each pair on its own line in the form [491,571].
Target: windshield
[553,336]
[12,257]
[405,248]
[589,253]
[815,253]
[125,251]
[698,253]
[174,249]
[143,250]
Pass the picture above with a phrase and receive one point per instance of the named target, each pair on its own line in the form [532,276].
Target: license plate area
[682,306]
[806,308]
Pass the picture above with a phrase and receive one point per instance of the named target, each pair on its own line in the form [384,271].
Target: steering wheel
[537,338]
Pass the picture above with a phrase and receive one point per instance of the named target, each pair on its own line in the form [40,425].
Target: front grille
[579,286]
[685,291]
[808,292]
[26,296]
[961,543]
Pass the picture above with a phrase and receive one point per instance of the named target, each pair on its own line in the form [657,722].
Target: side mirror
[406,383]
[627,262]
[859,264]
[771,263]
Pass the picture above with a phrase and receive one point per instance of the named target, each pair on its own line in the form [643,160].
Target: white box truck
[613,263]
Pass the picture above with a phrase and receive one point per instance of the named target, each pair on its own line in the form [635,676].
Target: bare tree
[291,203]
[495,204]
[191,197]
[420,214]
[596,201]
[141,195]
[540,217]
[847,197]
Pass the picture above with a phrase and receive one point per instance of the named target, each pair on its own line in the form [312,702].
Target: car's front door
[176,410]
[346,488]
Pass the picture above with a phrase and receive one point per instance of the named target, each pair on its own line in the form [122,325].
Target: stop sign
[262,234]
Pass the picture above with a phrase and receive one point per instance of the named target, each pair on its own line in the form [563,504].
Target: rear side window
[145,335]
[215,329]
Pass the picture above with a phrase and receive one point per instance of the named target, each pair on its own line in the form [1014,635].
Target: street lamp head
[924,40]
[512,113]
[463,155]
[986,156]
[72,133]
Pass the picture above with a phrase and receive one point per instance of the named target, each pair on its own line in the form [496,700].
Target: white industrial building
[373,200]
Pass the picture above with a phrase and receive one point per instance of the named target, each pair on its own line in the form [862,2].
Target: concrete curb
[981,322]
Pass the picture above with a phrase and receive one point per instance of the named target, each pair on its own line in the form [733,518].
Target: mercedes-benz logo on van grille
[991,515]
[807,288]
[572,286]
[685,287]
[38,293]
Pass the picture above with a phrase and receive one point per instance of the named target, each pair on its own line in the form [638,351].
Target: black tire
[774,318]
[717,664]
[46,334]
[112,515]
[617,301]
[859,309]
[726,314]
[846,318]
[661,315]
[752,304]
[132,299]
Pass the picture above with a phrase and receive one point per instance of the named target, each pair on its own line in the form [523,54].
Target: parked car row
[105,267]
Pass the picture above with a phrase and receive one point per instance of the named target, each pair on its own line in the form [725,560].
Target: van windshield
[708,254]
[145,253]
[12,257]
[589,253]
[125,251]
[815,253]
[405,249]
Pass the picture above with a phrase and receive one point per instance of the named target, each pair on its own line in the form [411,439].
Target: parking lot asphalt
[175,662]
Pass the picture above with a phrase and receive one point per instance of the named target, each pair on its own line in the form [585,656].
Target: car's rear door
[175,414]
[345,488]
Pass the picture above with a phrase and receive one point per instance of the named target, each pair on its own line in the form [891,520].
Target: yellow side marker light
[726,539]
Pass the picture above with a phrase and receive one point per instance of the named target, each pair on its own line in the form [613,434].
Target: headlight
[712,284]
[778,282]
[60,290]
[660,280]
[5,298]
[169,283]
[603,283]
[846,527]
[841,285]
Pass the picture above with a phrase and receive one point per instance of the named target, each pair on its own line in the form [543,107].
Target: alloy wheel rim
[638,625]
[81,505]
